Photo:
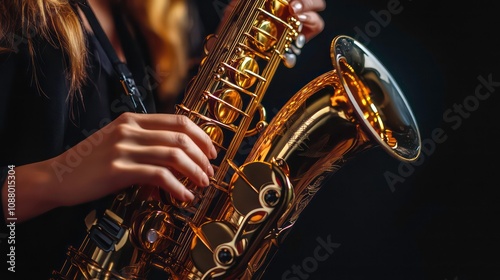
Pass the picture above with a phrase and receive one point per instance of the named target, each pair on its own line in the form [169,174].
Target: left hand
[305,10]
[307,13]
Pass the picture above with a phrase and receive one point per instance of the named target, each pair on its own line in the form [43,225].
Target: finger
[312,24]
[171,158]
[301,6]
[173,139]
[156,176]
[178,123]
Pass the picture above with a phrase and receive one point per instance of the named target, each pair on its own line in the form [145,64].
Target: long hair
[51,20]
[164,24]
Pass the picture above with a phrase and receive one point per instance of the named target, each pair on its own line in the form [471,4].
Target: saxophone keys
[246,68]
[154,230]
[277,7]
[297,45]
[264,35]
[257,185]
[300,41]
[215,133]
[295,50]
[289,59]
[226,105]
[206,250]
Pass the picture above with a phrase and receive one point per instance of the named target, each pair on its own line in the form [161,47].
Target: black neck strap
[120,67]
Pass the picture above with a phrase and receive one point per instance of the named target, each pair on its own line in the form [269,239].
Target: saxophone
[233,228]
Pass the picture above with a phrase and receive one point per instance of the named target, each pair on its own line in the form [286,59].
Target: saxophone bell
[377,101]
[345,111]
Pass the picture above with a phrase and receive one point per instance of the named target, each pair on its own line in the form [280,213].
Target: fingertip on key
[188,195]
[297,7]
[213,152]
[211,171]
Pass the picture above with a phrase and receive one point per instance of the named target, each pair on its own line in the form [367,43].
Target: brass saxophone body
[232,229]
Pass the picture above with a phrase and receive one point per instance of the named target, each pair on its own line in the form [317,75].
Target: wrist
[29,188]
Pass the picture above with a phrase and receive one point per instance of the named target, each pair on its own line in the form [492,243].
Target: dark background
[441,221]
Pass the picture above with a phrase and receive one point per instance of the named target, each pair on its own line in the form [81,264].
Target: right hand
[308,14]
[306,11]
[152,149]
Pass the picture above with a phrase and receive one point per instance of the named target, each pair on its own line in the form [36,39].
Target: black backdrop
[440,221]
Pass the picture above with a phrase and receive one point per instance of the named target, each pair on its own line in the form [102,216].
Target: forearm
[27,191]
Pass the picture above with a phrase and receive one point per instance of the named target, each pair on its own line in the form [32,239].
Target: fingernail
[302,17]
[206,180]
[189,195]
[210,170]
[297,7]
[214,153]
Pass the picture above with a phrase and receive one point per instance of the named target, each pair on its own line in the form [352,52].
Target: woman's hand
[145,149]
[307,12]
[152,149]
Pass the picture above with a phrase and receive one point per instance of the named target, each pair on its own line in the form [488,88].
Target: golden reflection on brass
[224,110]
[208,44]
[213,233]
[245,67]
[214,132]
[257,217]
[278,7]
[201,236]
[264,34]
[390,140]
[340,100]
[154,230]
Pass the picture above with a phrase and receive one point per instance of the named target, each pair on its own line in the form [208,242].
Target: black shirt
[37,122]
